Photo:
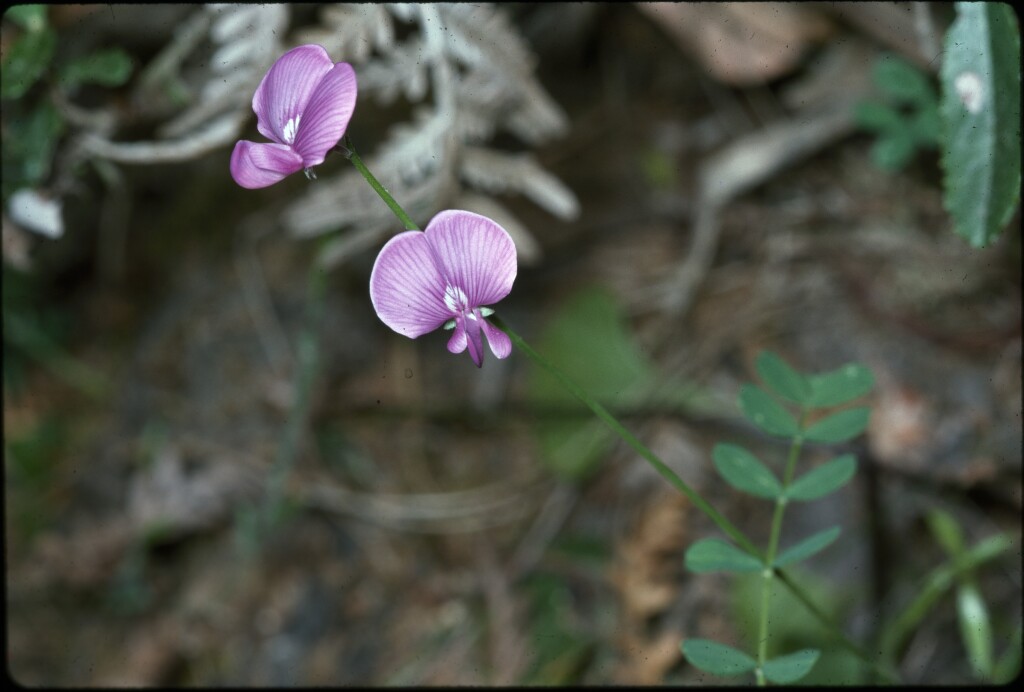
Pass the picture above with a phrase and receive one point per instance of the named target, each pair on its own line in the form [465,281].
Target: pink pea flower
[303,104]
[446,275]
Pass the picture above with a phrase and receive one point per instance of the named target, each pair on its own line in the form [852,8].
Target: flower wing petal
[327,114]
[458,342]
[406,289]
[501,345]
[255,165]
[477,255]
[287,88]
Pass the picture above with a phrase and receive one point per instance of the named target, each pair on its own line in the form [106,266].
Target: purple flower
[447,274]
[303,104]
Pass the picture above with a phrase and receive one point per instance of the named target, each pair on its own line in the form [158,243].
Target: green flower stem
[659,466]
[349,152]
[773,547]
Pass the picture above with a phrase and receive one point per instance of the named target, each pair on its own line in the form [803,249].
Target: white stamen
[290,129]
[455,299]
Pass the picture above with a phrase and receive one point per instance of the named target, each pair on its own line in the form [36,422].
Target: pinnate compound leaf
[980,112]
[716,658]
[839,427]
[791,667]
[766,413]
[715,555]
[825,479]
[743,471]
[841,385]
[808,547]
[784,380]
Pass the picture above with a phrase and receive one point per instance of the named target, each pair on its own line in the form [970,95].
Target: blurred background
[220,468]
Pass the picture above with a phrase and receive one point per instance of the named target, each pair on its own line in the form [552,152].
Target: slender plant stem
[349,152]
[659,466]
[773,547]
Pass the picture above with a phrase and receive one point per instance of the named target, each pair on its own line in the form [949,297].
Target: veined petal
[327,114]
[477,255]
[457,344]
[474,339]
[501,345]
[286,89]
[405,287]
[255,165]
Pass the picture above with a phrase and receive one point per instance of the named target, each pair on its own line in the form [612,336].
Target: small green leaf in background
[839,427]
[109,68]
[841,385]
[946,531]
[26,61]
[902,81]
[715,555]
[589,340]
[980,114]
[808,547]
[975,629]
[792,667]
[716,658]
[766,413]
[743,471]
[784,380]
[825,479]
[29,145]
[28,17]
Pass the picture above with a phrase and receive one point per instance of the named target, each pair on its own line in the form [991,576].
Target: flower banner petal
[255,165]
[405,287]
[287,88]
[326,115]
[477,255]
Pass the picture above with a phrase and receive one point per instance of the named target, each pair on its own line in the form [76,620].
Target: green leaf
[28,17]
[893,152]
[743,471]
[807,547]
[716,658]
[902,81]
[825,479]
[946,531]
[110,68]
[839,427]
[792,667]
[29,145]
[877,117]
[975,629]
[766,413]
[980,112]
[841,385]
[715,555]
[589,340]
[784,380]
[26,61]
